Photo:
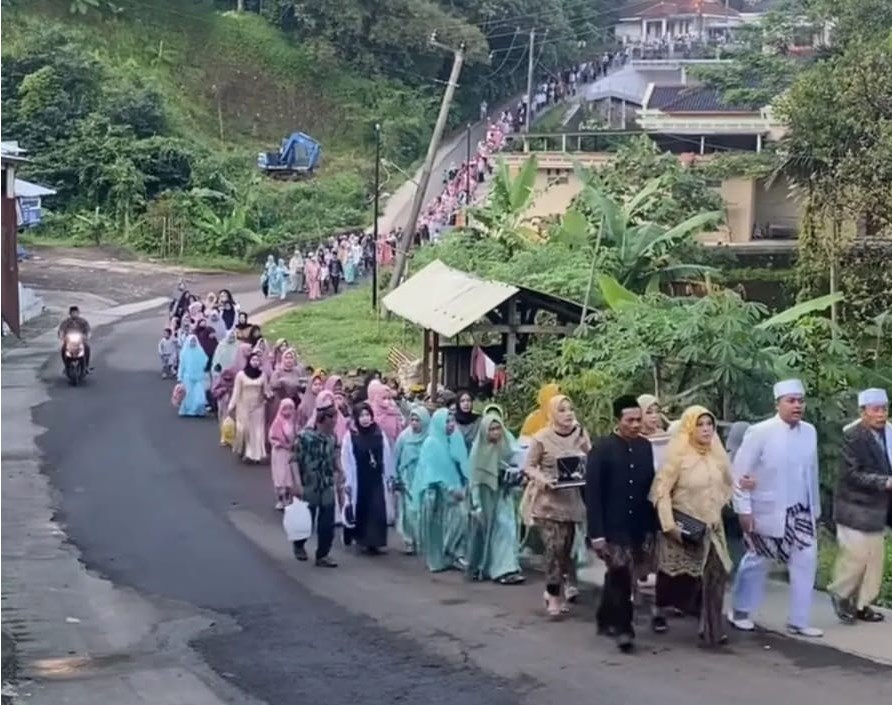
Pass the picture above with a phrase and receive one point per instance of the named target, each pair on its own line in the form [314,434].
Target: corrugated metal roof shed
[446,300]
[26,189]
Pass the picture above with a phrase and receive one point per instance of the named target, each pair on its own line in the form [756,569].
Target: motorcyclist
[75,323]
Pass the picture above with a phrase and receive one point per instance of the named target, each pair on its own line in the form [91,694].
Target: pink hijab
[279,352]
[282,429]
[387,414]
[306,412]
[261,349]
[242,355]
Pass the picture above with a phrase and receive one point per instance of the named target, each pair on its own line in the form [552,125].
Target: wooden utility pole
[420,191]
[530,68]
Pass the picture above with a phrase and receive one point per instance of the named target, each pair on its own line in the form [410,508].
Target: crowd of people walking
[342,259]
[464,494]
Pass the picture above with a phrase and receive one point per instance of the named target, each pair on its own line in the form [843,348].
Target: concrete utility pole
[530,68]
[420,191]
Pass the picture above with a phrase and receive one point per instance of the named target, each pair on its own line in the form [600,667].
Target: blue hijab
[408,444]
[193,361]
[443,459]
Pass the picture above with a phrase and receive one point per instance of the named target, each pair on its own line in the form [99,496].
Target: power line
[539,15]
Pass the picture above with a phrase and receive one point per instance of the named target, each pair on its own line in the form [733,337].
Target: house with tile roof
[699,117]
[644,21]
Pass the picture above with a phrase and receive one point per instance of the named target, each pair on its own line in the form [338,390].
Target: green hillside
[147,115]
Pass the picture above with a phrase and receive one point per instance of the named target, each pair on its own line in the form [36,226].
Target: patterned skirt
[799,533]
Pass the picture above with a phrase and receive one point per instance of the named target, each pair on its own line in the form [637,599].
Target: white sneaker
[810,632]
[280,505]
[744,624]
[571,592]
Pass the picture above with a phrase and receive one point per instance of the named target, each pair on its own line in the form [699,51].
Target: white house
[649,21]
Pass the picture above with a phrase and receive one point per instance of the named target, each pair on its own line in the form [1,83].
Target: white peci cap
[873,397]
[789,388]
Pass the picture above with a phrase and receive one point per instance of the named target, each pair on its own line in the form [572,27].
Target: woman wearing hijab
[387,413]
[307,408]
[284,383]
[335,385]
[390,420]
[248,404]
[221,391]
[440,478]
[281,439]
[215,322]
[406,454]
[207,339]
[313,276]
[191,374]
[367,460]
[243,328]
[735,437]
[492,549]
[466,421]
[538,419]
[278,350]
[558,449]
[695,482]
[266,360]
[225,355]
[267,274]
[653,423]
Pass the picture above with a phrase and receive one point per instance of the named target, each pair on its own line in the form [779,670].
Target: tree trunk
[239,5]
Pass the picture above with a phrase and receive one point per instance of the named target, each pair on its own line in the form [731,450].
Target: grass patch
[551,119]
[343,333]
[213,263]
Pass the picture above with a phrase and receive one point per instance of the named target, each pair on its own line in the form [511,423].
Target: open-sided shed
[447,304]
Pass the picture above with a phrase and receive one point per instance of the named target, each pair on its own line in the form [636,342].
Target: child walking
[167,351]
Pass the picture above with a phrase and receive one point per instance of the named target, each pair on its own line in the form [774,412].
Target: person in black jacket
[621,519]
[862,505]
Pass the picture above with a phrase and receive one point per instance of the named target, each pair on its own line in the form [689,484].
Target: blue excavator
[298,158]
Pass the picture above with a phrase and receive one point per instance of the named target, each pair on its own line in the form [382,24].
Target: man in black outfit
[621,519]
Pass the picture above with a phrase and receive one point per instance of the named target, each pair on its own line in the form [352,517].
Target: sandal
[511,579]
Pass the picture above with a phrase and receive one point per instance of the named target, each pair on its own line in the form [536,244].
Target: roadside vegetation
[148,117]
[343,334]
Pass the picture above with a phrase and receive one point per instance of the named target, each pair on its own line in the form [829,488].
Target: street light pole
[468,171]
[375,215]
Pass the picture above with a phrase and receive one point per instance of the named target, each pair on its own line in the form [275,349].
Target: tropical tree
[509,197]
[644,253]
[227,234]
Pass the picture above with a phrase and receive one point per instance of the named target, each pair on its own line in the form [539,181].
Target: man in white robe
[779,514]
[862,510]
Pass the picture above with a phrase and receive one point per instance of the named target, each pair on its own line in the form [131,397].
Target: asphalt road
[155,504]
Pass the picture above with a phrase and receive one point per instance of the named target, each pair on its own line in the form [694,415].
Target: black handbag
[693,531]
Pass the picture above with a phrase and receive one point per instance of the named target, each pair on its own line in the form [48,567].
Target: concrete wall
[747,203]
[774,207]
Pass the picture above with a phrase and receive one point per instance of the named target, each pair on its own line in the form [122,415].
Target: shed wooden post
[435,362]
[511,340]
[425,358]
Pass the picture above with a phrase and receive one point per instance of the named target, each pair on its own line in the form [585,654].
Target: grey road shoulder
[78,638]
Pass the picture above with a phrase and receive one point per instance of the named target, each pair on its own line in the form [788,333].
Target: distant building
[655,21]
[29,201]
[703,122]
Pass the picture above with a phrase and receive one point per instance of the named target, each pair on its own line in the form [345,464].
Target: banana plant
[509,199]
[646,251]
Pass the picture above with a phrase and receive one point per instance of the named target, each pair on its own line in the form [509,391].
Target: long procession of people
[463,493]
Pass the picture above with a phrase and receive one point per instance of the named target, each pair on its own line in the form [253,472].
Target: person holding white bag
[319,481]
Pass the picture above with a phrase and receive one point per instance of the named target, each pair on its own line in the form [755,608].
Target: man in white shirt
[779,515]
